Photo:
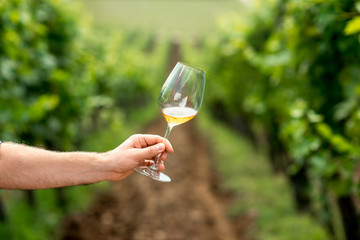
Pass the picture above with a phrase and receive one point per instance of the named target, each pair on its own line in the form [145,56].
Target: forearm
[24,167]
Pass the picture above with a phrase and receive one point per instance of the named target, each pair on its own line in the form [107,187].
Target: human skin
[26,167]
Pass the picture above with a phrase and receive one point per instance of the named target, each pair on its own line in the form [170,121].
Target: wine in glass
[180,100]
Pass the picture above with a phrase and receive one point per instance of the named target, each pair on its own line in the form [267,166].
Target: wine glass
[180,100]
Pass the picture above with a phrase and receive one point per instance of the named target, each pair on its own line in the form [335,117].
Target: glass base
[154,174]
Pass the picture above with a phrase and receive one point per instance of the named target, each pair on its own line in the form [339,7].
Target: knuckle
[134,136]
[152,150]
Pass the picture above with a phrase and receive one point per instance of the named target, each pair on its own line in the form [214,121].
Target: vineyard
[277,142]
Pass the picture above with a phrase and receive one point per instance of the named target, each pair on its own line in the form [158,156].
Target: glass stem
[157,159]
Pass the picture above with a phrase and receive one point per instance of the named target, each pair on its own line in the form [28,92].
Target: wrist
[104,165]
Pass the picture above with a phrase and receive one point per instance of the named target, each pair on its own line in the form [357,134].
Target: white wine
[178,115]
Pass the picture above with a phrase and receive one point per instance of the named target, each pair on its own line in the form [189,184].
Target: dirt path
[138,208]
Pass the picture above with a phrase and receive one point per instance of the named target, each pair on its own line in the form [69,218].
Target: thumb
[152,151]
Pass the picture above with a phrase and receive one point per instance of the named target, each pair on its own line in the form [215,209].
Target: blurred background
[280,114]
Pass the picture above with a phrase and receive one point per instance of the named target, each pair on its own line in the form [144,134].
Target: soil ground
[190,207]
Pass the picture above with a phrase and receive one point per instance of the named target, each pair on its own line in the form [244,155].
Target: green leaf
[319,164]
[324,130]
[353,26]
[340,143]
[314,117]
[43,104]
[344,109]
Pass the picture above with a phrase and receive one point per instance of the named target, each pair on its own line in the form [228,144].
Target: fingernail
[160,146]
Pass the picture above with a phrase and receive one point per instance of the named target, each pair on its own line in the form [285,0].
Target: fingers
[147,163]
[150,152]
[168,146]
[149,146]
[145,140]
[161,166]
[163,156]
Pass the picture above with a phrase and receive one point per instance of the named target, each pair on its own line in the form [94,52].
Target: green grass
[247,174]
[186,18]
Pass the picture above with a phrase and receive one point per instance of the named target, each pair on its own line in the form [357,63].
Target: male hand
[137,150]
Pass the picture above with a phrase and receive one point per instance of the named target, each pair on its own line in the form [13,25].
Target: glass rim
[190,66]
